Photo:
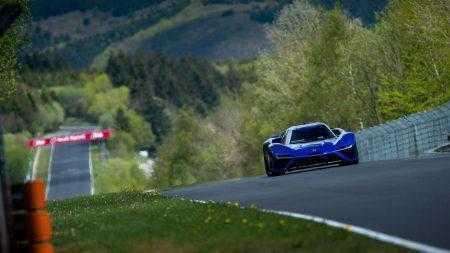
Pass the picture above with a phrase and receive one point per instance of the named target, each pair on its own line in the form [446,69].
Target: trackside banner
[78,137]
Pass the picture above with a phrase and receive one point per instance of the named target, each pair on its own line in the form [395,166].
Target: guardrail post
[38,221]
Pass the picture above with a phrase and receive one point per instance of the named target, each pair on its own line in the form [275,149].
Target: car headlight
[348,147]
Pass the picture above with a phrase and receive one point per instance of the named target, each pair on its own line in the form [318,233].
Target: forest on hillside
[206,120]
[41,9]
[80,31]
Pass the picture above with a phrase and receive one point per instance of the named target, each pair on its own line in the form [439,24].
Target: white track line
[357,230]
[35,163]
[364,231]
[90,171]
[49,171]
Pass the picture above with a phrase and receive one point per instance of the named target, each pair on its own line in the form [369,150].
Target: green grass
[43,163]
[144,222]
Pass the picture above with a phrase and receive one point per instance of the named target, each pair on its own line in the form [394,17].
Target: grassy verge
[143,222]
[43,163]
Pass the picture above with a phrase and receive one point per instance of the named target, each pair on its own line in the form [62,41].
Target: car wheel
[355,158]
[269,162]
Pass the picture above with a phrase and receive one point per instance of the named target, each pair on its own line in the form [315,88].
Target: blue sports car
[308,145]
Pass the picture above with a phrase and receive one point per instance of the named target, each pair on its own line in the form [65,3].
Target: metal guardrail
[407,137]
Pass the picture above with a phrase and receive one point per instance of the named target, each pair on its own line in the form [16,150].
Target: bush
[98,84]
[17,156]
[122,144]
[120,174]
[51,116]
[195,151]
[109,102]
[138,128]
[72,98]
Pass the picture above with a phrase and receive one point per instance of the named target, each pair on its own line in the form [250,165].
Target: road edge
[49,171]
[35,163]
[364,231]
[354,229]
[90,171]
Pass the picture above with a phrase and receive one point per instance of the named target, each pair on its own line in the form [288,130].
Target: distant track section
[69,173]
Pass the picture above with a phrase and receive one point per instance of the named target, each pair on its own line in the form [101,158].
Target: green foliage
[109,102]
[12,17]
[19,111]
[104,102]
[51,116]
[139,129]
[32,110]
[122,144]
[72,99]
[185,81]
[176,155]
[365,10]
[45,69]
[134,124]
[195,151]
[123,122]
[157,82]
[17,156]
[416,56]
[94,86]
[120,175]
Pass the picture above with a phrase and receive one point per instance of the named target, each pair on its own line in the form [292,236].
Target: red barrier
[86,136]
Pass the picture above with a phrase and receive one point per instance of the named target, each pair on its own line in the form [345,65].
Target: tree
[18,156]
[122,144]
[415,55]
[176,154]
[109,102]
[12,16]
[157,83]
[122,122]
[141,131]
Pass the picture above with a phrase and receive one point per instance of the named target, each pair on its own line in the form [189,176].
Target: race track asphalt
[404,198]
[70,175]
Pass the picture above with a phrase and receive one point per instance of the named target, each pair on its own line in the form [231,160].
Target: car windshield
[310,134]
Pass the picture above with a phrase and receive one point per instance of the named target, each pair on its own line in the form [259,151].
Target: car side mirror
[336,131]
[276,139]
